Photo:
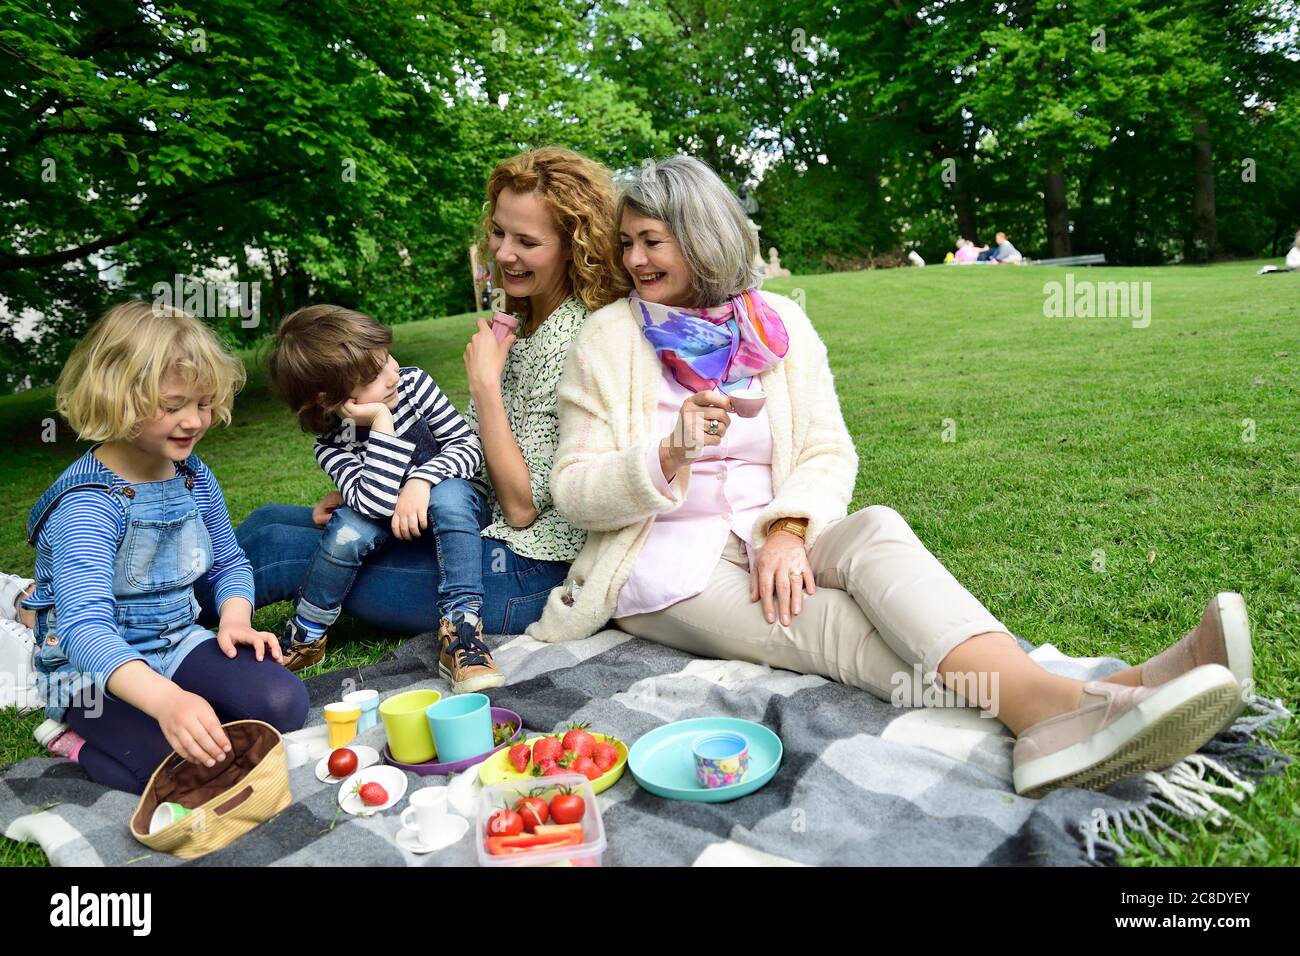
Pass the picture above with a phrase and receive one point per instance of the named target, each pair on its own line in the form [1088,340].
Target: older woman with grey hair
[703,448]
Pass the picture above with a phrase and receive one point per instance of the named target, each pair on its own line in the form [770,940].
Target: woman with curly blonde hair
[549,229]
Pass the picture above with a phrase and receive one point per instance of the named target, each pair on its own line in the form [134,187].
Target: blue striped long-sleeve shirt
[75,554]
[370,469]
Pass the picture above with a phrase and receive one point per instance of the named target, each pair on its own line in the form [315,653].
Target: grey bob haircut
[704,217]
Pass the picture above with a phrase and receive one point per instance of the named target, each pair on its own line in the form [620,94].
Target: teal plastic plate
[663,763]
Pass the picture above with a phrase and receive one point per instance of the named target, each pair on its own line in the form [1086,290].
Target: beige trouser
[884,607]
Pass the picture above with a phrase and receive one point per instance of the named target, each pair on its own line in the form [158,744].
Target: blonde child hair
[112,381]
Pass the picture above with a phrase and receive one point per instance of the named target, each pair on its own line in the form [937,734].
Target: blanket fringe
[1186,792]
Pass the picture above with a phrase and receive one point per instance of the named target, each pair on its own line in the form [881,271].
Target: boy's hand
[411,516]
[367,415]
[325,508]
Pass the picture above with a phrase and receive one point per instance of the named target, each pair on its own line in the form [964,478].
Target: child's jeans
[457,513]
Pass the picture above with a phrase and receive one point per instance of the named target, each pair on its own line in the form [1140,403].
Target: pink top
[729,484]
[967,254]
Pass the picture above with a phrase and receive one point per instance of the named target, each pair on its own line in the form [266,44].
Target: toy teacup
[720,759]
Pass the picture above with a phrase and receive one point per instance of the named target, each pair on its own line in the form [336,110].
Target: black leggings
[124,745]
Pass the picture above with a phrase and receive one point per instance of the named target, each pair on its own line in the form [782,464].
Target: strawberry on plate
[578,741]
[548,748]
[372,794]
[605,755]
[587,767]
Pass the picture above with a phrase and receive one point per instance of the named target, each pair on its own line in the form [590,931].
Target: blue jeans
[392,590]
[457,512]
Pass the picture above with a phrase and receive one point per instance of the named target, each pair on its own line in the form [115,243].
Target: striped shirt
[369,467]
[75,554]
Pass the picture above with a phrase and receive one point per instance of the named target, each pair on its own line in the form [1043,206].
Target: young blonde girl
[121,538]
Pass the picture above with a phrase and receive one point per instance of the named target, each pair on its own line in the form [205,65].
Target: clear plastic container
[587,853]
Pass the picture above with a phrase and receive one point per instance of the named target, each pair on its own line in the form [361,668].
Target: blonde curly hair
[579,192]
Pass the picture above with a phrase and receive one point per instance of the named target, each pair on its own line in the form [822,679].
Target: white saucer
[454,827]
[366,757]
[390,778]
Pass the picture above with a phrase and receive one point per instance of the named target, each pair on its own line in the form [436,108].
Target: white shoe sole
[1177,720]
[474,684]
[1235,624]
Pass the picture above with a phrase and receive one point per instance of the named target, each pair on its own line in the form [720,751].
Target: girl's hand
[325,508]
[191,726]
[782,568]
[233,633]
[485,359]
[411,516]
[693,431]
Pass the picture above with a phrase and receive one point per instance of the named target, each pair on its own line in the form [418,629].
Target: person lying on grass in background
[121,539]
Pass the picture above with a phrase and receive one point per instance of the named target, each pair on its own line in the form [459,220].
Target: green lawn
[1104,481]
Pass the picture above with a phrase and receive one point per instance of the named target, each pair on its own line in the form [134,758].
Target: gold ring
[796,574]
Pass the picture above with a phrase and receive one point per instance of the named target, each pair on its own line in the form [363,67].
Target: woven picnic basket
[246,789]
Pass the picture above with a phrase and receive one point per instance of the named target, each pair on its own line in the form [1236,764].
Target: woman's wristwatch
[796,526]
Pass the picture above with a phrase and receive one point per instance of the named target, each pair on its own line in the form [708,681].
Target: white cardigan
[607,402]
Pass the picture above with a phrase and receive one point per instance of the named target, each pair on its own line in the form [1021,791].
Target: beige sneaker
[1119,731]
[465,660]
[1222,637]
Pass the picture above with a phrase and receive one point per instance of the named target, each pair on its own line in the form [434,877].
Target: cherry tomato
[534,811]
[505,822]
[343,762]
[568,808]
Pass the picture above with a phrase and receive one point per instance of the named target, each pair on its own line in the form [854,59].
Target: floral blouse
[528,391]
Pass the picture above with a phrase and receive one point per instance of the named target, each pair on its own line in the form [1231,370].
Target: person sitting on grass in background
[1004,252]
[405,464]
[1293,255]
[966,252]
[121,539]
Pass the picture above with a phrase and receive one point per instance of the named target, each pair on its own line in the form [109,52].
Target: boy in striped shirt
[405,463]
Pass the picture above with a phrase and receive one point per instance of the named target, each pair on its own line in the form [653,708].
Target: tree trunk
[1205,242]
[966,225]
[1058,213]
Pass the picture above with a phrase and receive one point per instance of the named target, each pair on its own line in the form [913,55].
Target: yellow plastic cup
[342,721]
[409,739]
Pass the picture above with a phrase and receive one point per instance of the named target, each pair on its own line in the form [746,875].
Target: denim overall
[165,549]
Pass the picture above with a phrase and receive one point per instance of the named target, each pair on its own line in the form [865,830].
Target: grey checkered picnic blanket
[861,782]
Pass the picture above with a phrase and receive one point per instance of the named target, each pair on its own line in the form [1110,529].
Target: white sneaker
[11,587]
[17,671]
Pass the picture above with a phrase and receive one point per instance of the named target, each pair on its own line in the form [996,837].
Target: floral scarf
[722,347]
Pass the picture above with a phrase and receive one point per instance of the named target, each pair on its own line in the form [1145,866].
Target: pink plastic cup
[503,325]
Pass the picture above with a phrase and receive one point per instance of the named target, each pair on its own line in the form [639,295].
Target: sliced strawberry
[519,756]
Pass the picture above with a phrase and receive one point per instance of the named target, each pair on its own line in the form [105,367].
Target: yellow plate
[498,769]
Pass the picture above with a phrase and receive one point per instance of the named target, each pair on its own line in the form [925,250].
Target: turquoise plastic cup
[461,726]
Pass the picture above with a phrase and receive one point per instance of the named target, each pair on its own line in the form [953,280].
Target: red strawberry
[548,748]
[543,767]
[605,755]
[587,767]
[519,755]
[371,794]
[555,770]
[578,740]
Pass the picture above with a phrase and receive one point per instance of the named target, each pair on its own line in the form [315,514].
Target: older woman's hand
[782,569]
[702,421]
